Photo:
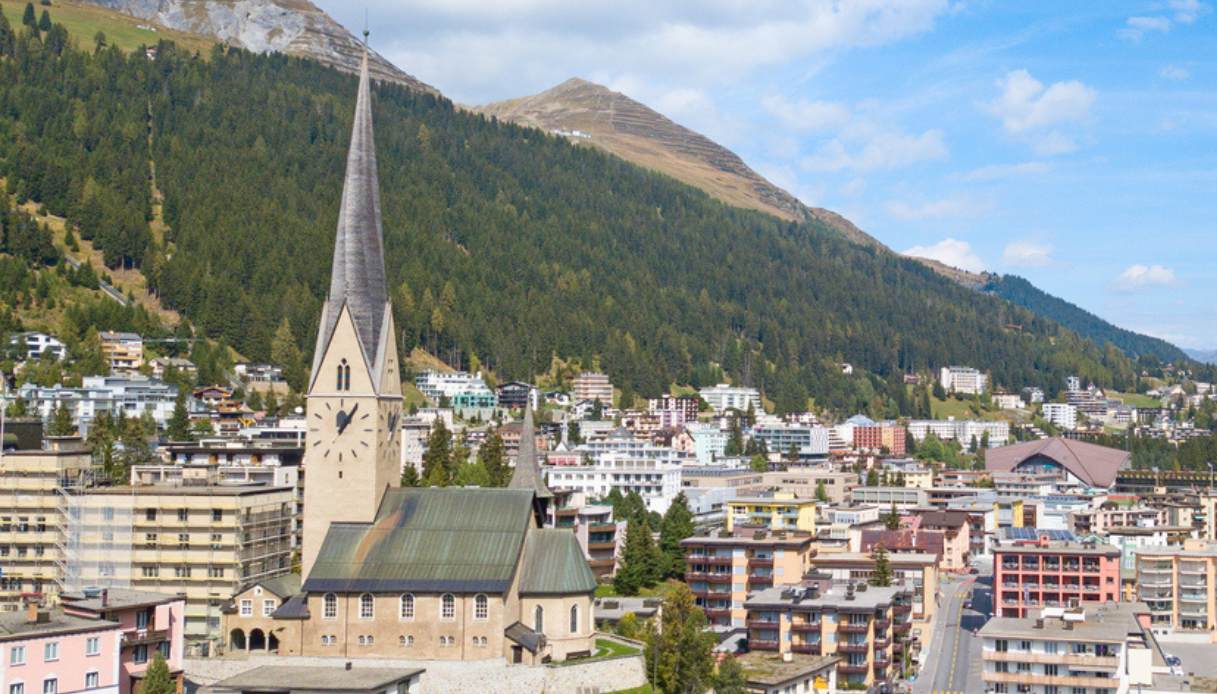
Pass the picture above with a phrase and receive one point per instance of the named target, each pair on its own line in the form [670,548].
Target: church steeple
[527,474]
[357,279]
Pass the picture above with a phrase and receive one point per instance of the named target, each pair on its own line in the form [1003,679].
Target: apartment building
[900,497]
[201,541]
[123,352]
[32,488]
[1048,573]
[33,345]
[963,379]
[592,386]
[706,441]
[131,396]
[1061,415]
[1207,510]
[804,482]
[49,651]
[880,436]
[866,626]
[722,569]
[1098,649]
[600,537]
[687,405]
[806,441]
[782,511]
[961,430]
[723,397]
[437,386]
[918,571]
[1179,584]
[150,623]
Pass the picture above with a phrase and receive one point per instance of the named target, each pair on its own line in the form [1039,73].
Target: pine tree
[821,492]
[7,37]
[881,575]
[730,678]
[677,525]
[891,520]
[680,653]
[29,18]
[286,353]
[62,422]
[735,441]
[492,456]
[44,22]
[437,457]
[872,478]
[157,679]
[759,463]
[640,560]
[409,476]
[178,427]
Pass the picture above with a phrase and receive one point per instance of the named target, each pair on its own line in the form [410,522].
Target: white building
[34,345]
[435,385]
[961,430]
[130,395]
[1073,384]
[709,442]
[963,379]
[620,461]
[1061,415]
[1009,401]
[723,397]
[593,386]
[1032,395]
[807,440]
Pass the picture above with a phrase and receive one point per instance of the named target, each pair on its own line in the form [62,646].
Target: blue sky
[1074,144]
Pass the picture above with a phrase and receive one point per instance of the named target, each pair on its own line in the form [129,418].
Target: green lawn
[84,21]
[605,590]
[607,648]
[644,689]
[1134,399]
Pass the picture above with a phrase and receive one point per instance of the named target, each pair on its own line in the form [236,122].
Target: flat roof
[296,678]
[189,490]
[772,671]
[789,538]
[1108,623]
[1208,552]
[117,599]
[834,598]
[16,625]
[894,558]
[798,501]
[1101,550]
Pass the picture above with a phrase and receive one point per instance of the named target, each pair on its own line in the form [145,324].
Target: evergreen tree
[759,463]
[891,519]
[62,422]
[679,654]
[158,680]
[821,492]
[677,525]
[8,40]
[730,678]
[44,22]
[438,456]
[409,476]
[872,478]
[30,18]
[286,353]
[178,426]
[473,475]
[735,440]
[492,456]
[881,575]
[640,560]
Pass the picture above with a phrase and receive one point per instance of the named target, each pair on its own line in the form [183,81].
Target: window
[183,539]
[16,656]
[329,608]
[407,607]
[1001,645]
[574,619]
[150,538]
[163,647]
[247,608]
[481,608]
[1050,646]
[143,618]
[268,607]
[182,514]
[538,619]
[150,514]
[1051,670]
[325,639]
[16,688]
[92,680]
[1024,645]
[447,607]
[50,651]
[366,606]
[217,515]
[181,571]
[140,655]
[50,686]
[215,572]
[92,645]
[344,375]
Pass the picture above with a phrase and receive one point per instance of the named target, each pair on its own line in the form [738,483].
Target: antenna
[365,27]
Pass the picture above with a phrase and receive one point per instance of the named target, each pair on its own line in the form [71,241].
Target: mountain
[294,27]
[588,113]
[1022,293]
[1206,356]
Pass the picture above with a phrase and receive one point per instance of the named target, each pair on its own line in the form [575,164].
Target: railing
[805,626]
[846,647]
[807,648]
[134,637]
[848,669]
[763,623]
[848,628]
[759,645]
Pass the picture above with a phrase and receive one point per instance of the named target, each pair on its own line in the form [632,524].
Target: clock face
[342,433]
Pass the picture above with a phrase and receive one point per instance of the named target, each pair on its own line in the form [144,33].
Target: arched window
[447,607]
[481,608]
[574,619]
[329,608]
[366,606]
[407,606]
[344,375]
[538,619]
[401,640]
[338,386]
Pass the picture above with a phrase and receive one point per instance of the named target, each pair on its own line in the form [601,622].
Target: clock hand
[348,418]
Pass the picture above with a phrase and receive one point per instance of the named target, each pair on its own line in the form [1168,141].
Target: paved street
[954,662]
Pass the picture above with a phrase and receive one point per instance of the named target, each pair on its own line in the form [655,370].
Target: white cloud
[1027,254]
[1174,73]
[1144,276]
[1052,143]
[953,206]
[1188,11]
[994,172]
[951,252]
[1135,28]
[1025,104]
[884,150]
[806,115]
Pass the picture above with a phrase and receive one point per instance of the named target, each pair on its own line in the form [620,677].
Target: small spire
[527,474]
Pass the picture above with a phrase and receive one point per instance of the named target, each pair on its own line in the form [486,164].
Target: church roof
[429,540]
[1092,464]
[553,565]
[527,473]
[357,278]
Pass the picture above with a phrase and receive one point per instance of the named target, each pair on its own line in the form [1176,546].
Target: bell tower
[354,398]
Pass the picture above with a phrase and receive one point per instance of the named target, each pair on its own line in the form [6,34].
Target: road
[954,663]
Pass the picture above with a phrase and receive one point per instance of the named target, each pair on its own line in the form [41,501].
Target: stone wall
[492,676]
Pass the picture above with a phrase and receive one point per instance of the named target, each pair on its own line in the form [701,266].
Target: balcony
[881,644]
[717,612]
[848,669]
[846,647]
[760,561]
[1150,568]
[763,623]
[805,627]
[903,628]
[806,648]
[1075,659]
[882,624]
[901,608]
[713,594]
[708,576]
[601,546]
[848,628]
[1017,678]
[707,559]
[758,645]
[136,637]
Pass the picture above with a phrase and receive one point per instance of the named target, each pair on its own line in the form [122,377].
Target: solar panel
[1036,533]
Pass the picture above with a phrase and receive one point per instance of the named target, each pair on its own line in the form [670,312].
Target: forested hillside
[1021,292]
[503,244]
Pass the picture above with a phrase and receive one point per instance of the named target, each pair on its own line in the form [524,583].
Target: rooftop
[288,678]
[1079,548]
[895,559]
[750,536]
[116,599]
[1092,464]
[1106,623]
[226,489]
[866,598]
[772,671]
[16,625]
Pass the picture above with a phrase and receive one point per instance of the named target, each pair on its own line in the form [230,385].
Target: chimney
[105,596]
[31,612]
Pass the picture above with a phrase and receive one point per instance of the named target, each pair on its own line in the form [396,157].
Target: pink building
[148,622]
[1053,574]
[49,651]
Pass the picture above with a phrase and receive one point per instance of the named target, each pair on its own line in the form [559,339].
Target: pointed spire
[357,278]
[527,474]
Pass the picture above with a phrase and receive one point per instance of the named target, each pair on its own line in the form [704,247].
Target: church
[406,573]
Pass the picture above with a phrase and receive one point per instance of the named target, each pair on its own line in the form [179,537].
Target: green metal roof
[428,540]
[554,564]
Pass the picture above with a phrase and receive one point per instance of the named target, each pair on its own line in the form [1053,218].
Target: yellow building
[1179,584]
[782,511]
[122,351]
[723,569]
[33,487]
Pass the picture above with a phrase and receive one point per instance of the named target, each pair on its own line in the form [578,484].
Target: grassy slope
[84,21]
